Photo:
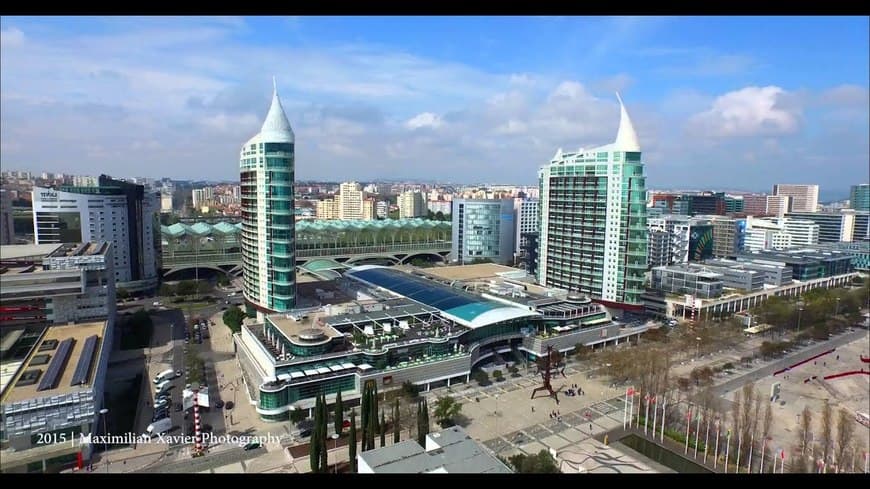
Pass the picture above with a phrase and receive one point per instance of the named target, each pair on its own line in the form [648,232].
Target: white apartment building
[350,201]
[411,204]
[778,205]
[779,234]
[526,219]
[804,198]
[327,209]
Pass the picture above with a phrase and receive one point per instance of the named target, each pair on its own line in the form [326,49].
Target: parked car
[179,407]
[218,404]
[252,445]
[228,405]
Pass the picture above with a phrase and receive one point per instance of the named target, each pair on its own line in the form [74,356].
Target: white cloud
[11,37]
[424,119]
[747,112]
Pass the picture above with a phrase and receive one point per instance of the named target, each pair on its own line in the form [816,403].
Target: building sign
[48,195]
[701,243]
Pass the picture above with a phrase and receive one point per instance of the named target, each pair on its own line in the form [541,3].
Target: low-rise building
[56,283]
[51,402]
[447,451]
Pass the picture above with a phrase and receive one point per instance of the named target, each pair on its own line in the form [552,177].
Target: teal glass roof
[310,226]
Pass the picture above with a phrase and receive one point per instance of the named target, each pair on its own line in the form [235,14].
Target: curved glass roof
[465,308]
[311,226]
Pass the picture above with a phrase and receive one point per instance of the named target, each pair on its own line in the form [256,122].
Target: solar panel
[52,375]
[83,369]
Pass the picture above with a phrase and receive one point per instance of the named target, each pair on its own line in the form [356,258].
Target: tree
[186,287]
[166,290]
[422,422]
[315,446]
[352,441]
[233,318]
[373,418]
[410,390]
[223,280]
[324,419]
[481,377]
[396,422]
[439,216]
[297,415]
[827,421]
[339,414]
[383,429]
[446,409]
[365,408]
[845,430]
[122,293]
[542,463]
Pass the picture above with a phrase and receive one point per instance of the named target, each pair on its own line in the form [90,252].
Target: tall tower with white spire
[593,236]
[266,164]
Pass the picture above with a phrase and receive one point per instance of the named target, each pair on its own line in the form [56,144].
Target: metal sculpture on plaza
[552,361]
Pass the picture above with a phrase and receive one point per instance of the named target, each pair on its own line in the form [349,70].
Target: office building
[50,401]
[755,205]
[804,198]
[778,205]
[350,201]
[803,232]
[121,213]
[7,222]
[593,234]
[411,204]
[447,451]
[442,206]
[810,269]
[526,217]
[56,283]
[85,181]
[711,203]
[834,226]
[483,230]
[268,218]
[687,279]
[734,204]
[729,236]
[859,197]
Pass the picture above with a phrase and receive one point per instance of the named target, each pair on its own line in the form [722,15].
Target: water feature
[663,456]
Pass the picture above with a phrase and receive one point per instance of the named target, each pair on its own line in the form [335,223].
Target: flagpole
[697,434]
[716,455]
[782,462]
[655,416]
[688,426]
[727,449]
[739,445]
[630,408]
[625,409]
[665,417]
[707,438]
[646,416]
[751,446]
[774,463]
[763,446]
[637,425]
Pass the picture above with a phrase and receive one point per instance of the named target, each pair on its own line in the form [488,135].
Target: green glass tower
[268,224]
[593,235]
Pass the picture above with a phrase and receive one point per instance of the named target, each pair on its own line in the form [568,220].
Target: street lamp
[104,413]
[800,310]
[334,450]
[837,309]
[698,355]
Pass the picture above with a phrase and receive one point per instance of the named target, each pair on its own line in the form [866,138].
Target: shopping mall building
[408,327]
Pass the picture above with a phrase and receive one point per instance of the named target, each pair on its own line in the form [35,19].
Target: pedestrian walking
[533,408]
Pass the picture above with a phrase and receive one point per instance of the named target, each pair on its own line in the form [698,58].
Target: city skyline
[379,97]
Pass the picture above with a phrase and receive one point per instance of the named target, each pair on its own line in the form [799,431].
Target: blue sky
[725,102]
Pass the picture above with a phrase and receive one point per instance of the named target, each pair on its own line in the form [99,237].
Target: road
[769,369]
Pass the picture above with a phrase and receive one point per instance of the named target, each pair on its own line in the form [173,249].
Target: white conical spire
[276,128]
[626,138]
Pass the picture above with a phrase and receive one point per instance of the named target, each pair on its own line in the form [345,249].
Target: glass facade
[268,238]
[592,212]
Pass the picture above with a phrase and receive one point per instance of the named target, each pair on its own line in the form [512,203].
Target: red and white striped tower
[197,426]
